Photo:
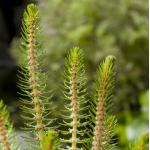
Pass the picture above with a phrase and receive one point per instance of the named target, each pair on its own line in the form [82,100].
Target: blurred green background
[100,28]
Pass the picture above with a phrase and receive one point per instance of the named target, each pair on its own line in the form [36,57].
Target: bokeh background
[100,28]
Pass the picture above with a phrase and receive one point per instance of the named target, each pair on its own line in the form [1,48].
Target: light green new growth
[7,135]
[35,105]
[104,123]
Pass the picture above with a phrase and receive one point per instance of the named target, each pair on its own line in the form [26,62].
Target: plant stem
[73,91]
[100,114]
[33,73]
[3,135]
[99,122]
[105,83]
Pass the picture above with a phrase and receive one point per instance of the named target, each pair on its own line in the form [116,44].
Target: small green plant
[87,123]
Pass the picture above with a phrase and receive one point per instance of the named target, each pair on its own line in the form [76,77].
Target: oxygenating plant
[76,114]
[35,104]
[87,123]
[104,122]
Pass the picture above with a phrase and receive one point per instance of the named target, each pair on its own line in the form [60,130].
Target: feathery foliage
[35,104]
[75,116]
[8,139]
[102,102]
[81,112]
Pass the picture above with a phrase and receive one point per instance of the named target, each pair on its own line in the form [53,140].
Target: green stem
[74,104]
[33,73]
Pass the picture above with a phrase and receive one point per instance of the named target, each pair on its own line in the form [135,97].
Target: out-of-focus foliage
[140,144]
[134,125]
[102,27]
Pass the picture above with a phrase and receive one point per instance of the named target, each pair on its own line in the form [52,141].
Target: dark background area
[10,27]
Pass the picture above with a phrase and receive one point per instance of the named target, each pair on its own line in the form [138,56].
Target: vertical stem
[105,75]
[100,115]
[74,104]
[33,73]
[3,135]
